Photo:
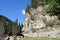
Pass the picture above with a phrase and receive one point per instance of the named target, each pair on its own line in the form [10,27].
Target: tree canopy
[8,26]
[53,8]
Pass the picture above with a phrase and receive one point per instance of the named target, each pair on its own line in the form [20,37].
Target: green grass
[39,38]
[45,30]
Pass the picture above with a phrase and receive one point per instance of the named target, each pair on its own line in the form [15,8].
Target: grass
[39,38]
[45,30]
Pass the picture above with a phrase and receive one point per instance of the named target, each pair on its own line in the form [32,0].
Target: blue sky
[13,9]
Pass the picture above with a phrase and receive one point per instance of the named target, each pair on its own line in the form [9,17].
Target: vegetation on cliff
[53,7]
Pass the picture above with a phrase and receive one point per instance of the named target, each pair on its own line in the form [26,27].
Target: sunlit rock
[37,20]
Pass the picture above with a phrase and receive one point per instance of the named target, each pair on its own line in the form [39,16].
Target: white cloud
[23,12]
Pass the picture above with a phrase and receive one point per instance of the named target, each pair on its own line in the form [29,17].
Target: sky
[14,9]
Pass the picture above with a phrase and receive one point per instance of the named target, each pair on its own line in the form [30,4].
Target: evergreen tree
[47,2]
[35,3]
[14,28]
[53,8]
[28,8]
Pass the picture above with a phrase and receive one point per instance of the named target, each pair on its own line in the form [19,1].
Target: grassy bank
[39,38]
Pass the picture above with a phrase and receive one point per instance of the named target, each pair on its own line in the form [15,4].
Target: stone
[37,20]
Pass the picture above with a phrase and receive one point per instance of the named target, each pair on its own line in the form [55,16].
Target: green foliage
[28,8]
[3,23]
[39,38]
[47,1]
[53,7]
[16,27]
[7,26]
[35,3]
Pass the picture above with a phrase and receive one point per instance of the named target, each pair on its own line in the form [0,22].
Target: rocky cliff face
[37,21]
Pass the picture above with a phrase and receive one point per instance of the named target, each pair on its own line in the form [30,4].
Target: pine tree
[35,3]
[28,8]
[53,8]
[15,26]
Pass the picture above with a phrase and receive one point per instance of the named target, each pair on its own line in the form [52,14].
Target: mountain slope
[5,25]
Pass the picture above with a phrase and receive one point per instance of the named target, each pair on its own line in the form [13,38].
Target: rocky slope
[37,23]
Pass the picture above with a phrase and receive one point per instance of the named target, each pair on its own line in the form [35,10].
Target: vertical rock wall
[37,19]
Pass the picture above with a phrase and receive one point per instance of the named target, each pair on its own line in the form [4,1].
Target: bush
[53,8]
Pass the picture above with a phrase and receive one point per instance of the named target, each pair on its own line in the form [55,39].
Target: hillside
[4,22]
[8,26]
[4,18]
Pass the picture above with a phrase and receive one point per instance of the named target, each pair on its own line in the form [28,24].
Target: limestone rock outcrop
[37,19]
